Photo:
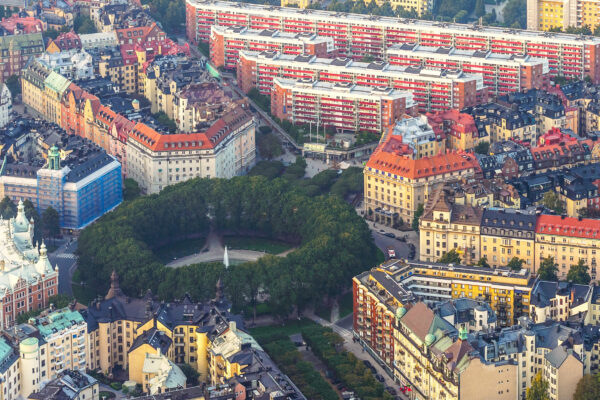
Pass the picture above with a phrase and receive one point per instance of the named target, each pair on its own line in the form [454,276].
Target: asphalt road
[383,242]
[67,264]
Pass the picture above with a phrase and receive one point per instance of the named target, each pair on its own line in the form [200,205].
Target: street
[66,260]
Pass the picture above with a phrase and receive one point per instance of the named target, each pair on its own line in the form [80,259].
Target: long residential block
[433,90]
[226,43]
[572,56]
[344,106]
[502,73]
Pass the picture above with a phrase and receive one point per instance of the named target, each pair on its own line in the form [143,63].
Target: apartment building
[15,51]
[227,41]
[27,279]
[357,36]
[446,226]
[226,149]
[502,73]
[506,234]
[543,15]
[567,240]
[501,122]
[562,301]
[10,385]
[417,133]
[5,105]
[432,90]
[342,106]
[459,129]
[395,184]
[424,346]
[73,64]
[71,385]
[553,349]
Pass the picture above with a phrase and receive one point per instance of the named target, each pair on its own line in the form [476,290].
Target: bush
[116,385]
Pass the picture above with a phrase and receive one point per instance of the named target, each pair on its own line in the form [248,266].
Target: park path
[213,251]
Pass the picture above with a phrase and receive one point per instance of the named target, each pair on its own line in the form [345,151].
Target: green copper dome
[400,312]
[429,339]
[463,334]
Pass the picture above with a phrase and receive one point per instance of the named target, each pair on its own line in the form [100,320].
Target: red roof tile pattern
[385,158]
[568,226]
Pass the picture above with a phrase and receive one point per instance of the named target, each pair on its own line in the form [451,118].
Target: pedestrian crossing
[67,256]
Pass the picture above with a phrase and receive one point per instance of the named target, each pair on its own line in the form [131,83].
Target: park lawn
[182,248]
[290,327]
[346,304]
[256,244]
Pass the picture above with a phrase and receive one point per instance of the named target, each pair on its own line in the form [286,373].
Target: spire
[115,290]
[226,258]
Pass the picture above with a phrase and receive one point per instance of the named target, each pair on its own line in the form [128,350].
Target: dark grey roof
[155,338]
[508,219]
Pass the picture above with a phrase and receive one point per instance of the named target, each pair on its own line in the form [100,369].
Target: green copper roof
[57,82]
[58,321]
[18,41]
[5,350]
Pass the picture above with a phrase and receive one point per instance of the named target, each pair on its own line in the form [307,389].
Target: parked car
[368,364]
[389,234]
[391,390]
[379,378]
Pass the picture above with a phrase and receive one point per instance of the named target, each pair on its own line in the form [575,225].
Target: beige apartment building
[447,226]
[396,184]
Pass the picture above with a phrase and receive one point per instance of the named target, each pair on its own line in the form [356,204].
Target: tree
[553,202]
[588,388]
[548,270]
[515,14]
[418,213]
[451,257]
[31,213]
[515,264]
[578,273]
[51,222]
[483,263]
[163,119]
[7,208]
[269,146]
[131,189]
[14,85]
[190,373]
[482,148]
[83,24]
[479,8]
[538,389]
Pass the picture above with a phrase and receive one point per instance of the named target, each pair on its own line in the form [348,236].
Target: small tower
[54,158]
[115,290]
[219,292]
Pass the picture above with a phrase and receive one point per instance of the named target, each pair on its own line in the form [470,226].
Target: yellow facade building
[395,184]
[446,226]
[568,240]
[508,234]
[545,15]
[296,3]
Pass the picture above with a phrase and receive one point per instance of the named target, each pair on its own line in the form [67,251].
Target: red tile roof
[568,226]
[391,162]
[209,139]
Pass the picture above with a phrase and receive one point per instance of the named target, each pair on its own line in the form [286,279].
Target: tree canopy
[170,13]
[334,242]
[538,389]
[553,202]
[450,257]
[418,212]
[548,270]
[588,388]
[515,14]
[578,273]
[515,263]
